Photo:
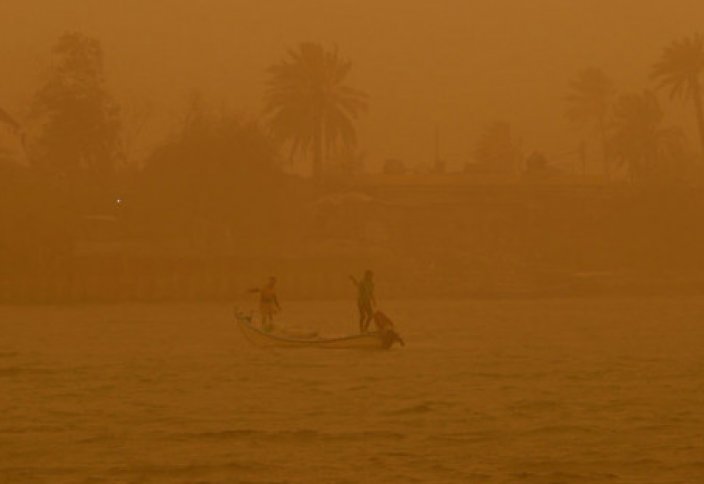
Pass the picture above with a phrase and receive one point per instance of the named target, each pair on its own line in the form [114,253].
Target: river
[571,390]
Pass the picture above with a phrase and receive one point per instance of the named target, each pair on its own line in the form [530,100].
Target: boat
[365,341]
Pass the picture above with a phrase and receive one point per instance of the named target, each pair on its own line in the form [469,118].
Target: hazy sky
[456,63]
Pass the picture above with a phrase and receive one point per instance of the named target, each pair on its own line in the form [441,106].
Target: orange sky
[456,63]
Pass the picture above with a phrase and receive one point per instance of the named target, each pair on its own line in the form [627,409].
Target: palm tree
[640,141]
[309,104]
[589,103]
[680,69]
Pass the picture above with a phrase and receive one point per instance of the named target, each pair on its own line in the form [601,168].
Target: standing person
[365,299]
[268,303]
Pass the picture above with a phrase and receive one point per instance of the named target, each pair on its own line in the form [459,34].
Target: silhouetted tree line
[215,185]
[218,182]
[630,126]
[218,177]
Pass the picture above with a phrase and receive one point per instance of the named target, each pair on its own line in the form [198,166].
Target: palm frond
[589,97]
[680,66]
[306,94]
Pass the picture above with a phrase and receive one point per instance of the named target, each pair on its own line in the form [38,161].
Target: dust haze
[489,210]
[456,64]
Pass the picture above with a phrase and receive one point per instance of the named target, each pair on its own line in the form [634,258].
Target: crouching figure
[386,329]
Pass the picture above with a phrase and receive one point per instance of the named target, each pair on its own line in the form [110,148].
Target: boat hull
[366,341]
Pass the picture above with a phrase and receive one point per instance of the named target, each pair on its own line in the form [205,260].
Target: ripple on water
[301,436]
[21,371]
[123,403]
[419,408]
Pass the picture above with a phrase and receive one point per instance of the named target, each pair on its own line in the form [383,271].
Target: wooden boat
[274,339]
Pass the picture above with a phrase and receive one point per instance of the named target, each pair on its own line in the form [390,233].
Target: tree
[496,148]
[217,175]
[33,221]
[680,69]
[310,106]
[639,141]
[589,102]
[8,121]
[81,128]
[14,128]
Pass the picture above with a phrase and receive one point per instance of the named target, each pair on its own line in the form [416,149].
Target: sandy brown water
[485,391]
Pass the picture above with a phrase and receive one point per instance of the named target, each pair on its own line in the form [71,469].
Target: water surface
[485,391]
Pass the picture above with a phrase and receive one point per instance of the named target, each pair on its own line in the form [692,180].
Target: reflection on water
[530,391]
